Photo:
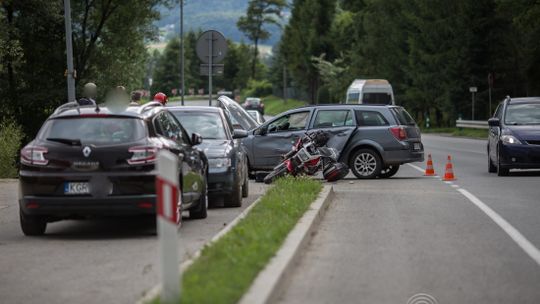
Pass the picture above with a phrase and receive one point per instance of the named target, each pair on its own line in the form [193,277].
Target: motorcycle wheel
[280,171]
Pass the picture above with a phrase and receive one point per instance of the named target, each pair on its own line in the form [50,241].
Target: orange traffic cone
[449,171]
[429,169]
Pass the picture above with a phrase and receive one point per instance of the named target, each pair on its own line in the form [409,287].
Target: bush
[10,139]
[258,88]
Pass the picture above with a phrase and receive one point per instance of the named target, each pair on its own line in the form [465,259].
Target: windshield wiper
[67,141]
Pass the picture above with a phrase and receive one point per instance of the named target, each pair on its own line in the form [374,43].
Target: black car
[98,161]
[227,159]
[254,103]
[374,140]
[514,136]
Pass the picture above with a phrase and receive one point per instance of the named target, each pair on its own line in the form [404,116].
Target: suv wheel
[500,170]
[202,207]
[245,187]
[365,163]
[32,225]
[491,167]
[389,171]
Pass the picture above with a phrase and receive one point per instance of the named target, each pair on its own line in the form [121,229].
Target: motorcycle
[308,156]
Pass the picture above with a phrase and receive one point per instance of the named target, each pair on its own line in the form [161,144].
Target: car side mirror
[239,133]
[196,139]
[494,122]
[263,130]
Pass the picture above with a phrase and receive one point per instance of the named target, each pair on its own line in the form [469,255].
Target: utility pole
[182,49]
[70,74]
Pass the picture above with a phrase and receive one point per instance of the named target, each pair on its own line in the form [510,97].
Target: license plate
[76,188]
[417,146]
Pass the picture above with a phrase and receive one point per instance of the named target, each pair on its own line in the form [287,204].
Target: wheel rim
[365,164]
[386,170]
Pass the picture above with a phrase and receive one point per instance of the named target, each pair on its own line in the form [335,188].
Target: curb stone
[266,286]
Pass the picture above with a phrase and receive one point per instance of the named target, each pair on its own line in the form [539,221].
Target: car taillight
[399,133]
[33,155]
[142,155]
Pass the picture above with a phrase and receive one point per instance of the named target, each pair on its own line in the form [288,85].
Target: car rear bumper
[398,157]
[65,206]
[520,156]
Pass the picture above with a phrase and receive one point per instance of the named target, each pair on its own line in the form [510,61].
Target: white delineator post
[168,216]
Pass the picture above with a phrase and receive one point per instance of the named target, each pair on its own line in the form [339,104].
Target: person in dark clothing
[89,94]
[135,98]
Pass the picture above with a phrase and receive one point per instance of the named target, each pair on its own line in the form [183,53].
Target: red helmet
[161,97]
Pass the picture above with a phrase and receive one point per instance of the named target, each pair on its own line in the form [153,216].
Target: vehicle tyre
[235,199]
[32,225]
[365,164]
[389,171]
[500,170]
[201,210]
[491,167]
[280,171]
[245,187]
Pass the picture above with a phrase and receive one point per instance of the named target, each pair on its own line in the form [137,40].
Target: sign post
[211,49]
[168,217]
[473,90]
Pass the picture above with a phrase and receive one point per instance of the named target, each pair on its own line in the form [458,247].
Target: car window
[402,116]
[377,98]
[522,114]
[290,122]
[182,131]
[333,118]
[95,130]
[167,127]
[498,111]
[208,125]
[370,119]
[353,97]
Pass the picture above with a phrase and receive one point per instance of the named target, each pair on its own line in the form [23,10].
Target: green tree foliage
[108,40]
[259,13]
[431,51]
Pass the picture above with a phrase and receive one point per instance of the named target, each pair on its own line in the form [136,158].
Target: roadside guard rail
[472,124]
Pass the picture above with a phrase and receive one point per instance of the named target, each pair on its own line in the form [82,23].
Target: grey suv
[374,140]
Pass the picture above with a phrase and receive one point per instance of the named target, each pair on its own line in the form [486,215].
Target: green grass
[463,132]
[274,105]
[226,269]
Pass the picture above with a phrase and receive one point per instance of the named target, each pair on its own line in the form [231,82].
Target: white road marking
[449,183]
[514,234]
[522,242]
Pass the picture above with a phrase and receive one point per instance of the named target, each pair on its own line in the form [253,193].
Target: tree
[259,13]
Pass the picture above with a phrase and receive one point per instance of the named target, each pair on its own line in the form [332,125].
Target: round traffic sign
[215,41]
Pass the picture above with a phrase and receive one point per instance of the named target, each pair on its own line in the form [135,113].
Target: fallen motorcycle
[308,156]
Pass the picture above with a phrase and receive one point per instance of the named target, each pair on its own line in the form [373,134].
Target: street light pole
[182,49]
[69,52]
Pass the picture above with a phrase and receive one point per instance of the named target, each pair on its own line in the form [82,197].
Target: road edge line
[266,286]
[155,291]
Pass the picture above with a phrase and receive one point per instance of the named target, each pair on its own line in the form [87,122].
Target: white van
[370,91]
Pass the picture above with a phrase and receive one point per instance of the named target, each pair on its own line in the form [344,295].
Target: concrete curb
[269,281]
[156,290]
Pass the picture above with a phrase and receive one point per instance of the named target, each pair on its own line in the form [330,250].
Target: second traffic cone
[449,171]
[429,169]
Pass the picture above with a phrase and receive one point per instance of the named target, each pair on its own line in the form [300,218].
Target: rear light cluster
[399,133]
[33,155]
[142,155]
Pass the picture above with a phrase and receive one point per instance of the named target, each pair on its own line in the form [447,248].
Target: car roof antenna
[97,108]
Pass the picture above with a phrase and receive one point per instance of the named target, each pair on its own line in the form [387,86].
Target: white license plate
[76,188]
[417,146]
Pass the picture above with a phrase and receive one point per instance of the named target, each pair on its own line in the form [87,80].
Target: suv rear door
[338,122]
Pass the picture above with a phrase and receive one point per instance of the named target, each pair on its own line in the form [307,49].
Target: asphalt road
[93,261]
[383,241]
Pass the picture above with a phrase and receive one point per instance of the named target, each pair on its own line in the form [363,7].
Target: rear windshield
[253,101]
[95,130]
[377,98]
[208,125]
[353,97]
[402,116]
[523,114]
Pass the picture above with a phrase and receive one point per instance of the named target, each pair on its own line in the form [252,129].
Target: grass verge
[463,132]
[274,105]
[226,268]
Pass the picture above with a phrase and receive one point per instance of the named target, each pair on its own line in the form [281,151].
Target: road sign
[473,89]
[211,42]
[168,215]
[217,69]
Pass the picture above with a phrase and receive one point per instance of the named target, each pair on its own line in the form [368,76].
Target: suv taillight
[33,155]
[399,133]
[142,155]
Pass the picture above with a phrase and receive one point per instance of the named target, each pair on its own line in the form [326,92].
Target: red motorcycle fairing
[289,165]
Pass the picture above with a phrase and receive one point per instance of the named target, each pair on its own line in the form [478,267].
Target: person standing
[135,98]
[89,94]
